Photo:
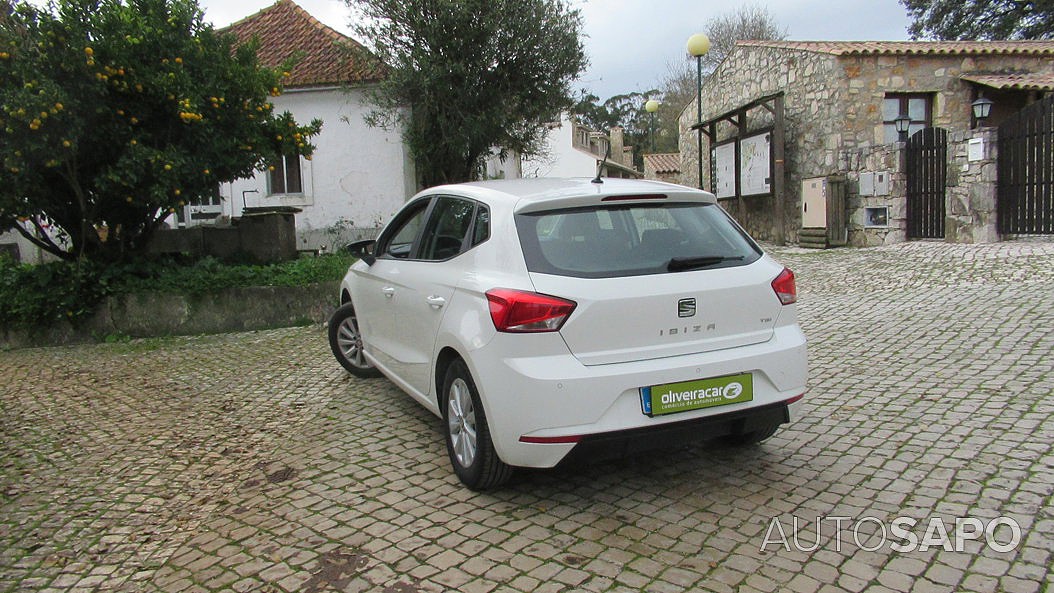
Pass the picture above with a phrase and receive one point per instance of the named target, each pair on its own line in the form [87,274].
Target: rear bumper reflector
[560,440]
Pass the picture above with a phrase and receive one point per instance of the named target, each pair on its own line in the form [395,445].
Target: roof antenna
[600,167]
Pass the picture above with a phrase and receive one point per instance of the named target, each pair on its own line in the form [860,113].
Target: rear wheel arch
[446,357]
[470,445]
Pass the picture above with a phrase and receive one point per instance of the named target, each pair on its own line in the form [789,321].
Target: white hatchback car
[542,318]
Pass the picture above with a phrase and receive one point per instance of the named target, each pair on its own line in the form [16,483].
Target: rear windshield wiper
[678,264]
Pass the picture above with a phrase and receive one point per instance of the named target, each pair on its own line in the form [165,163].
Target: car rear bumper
[542,407]
[626,443]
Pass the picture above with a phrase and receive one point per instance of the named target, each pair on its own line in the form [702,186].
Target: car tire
[346,343]
[468,441]
[753,437]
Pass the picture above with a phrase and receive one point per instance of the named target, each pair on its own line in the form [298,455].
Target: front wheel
[346,343]
[468,441]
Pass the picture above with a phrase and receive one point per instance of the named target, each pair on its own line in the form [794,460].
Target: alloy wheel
[461,422]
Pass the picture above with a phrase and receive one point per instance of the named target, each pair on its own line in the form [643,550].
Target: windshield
[632,240]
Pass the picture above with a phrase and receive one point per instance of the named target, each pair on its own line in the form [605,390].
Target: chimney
[615,139]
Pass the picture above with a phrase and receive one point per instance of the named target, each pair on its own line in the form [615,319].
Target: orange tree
[113,113]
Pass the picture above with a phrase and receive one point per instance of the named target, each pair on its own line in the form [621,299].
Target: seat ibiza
[545,319]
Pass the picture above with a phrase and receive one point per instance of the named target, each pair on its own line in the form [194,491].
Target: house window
[581,138]
[914,105]
[285,177]
[203,208]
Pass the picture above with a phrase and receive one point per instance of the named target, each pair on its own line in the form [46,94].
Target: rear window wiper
[679,264]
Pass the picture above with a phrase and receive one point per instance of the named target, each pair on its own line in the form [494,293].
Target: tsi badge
[686,308]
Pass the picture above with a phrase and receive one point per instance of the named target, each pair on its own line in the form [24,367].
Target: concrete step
[812,238]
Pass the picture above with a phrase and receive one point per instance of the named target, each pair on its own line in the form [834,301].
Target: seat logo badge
[686,308]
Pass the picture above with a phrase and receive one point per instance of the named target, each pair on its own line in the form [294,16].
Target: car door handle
[388,291]
[436,302]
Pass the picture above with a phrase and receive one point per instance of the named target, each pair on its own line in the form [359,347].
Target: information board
[724,173]
[755,175]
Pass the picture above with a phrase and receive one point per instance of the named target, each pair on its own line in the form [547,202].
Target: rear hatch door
[650,279]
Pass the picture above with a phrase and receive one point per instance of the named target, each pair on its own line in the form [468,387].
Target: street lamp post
[651,107]
[698,45]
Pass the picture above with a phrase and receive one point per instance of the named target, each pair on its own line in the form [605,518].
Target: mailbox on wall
[874,183]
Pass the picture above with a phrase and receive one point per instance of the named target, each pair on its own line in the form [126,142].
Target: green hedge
[43,294]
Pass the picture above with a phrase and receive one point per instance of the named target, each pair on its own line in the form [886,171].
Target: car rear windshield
[632,240]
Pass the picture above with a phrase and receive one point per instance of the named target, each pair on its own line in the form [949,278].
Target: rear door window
[630,240]
[448,225]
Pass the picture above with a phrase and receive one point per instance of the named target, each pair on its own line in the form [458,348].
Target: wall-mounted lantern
[982,108]
[901,124]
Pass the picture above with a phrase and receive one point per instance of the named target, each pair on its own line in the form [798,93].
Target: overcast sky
[630,42]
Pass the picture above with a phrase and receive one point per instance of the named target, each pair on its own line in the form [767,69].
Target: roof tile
[1028,82]
[849,48]
[326,56]
[663,162]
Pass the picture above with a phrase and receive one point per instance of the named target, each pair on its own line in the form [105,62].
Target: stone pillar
[971,209]
[617,144]
[688,149]
[269,235]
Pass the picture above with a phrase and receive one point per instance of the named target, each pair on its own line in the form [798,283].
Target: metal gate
[1025,191]
[927,175]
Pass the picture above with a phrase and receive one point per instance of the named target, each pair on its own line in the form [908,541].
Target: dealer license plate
[672,398]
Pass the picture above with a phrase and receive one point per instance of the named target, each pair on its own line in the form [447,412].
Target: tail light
[518,311]
[785,288]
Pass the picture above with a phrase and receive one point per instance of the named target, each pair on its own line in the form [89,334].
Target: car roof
[528,191]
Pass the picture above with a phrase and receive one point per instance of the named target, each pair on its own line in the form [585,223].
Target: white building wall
[358,177]
[28,252]
[560,158]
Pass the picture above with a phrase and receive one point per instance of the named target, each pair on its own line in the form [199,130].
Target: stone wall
[881,158]
[833,118]
[971,192]
[161,314]
[812,113]
[262,237]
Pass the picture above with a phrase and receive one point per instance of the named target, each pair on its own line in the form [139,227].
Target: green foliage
[478,74]
[45,294]
[210,274]
[981,19]
[625,111]
[115,112]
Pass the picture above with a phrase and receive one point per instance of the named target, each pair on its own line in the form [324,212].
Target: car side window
[481,232]
[399,242]
[446,229]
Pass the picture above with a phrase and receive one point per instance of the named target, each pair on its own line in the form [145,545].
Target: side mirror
[362,250]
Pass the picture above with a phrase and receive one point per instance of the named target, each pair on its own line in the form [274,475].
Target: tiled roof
[285,29]
[663,162]
[1028,82]
[849,48]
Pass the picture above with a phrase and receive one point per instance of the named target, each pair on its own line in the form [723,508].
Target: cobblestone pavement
[252,462]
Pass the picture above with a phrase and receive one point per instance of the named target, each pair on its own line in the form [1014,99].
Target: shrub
[47,293]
